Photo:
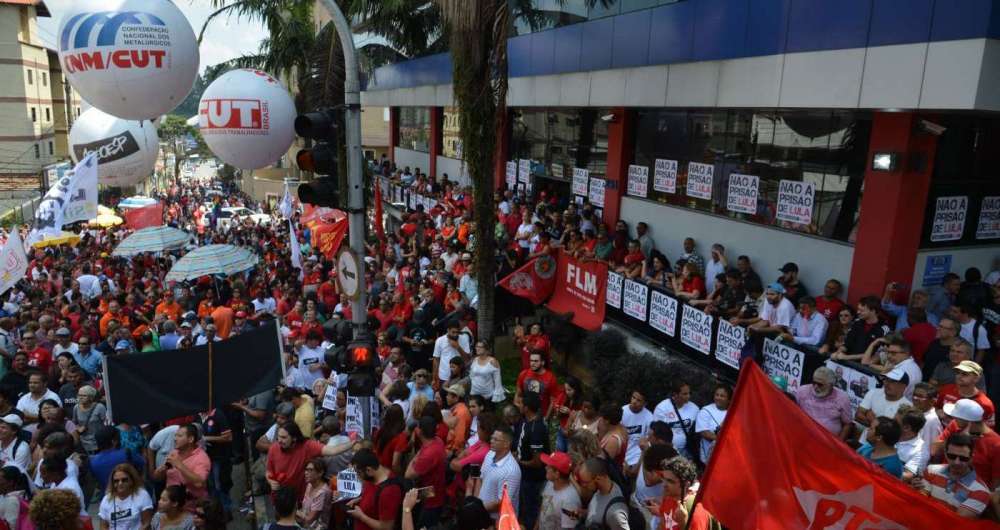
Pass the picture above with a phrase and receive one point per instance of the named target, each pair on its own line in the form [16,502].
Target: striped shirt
[497,473]
[965,492]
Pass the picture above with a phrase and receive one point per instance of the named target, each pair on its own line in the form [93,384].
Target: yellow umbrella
[106,220]
[65,238]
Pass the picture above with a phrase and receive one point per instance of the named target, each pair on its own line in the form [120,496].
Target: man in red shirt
[830,304]
[328,293]
[381,494]
[967,417]
[538,380]
[967,374]
[38,357]
[287,459]
[427,469]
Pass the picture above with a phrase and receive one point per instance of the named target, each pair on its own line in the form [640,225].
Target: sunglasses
[960,458]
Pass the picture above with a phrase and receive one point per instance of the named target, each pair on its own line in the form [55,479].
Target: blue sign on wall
[935,269]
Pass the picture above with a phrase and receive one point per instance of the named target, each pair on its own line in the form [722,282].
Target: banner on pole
[581,287]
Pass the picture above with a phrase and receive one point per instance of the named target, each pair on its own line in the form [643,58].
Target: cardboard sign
[524,171]
[511,175]
[949,218]
[665,176]
[782,360]
[795,201]
[638,181]
[729,343]
[696,329]
[581,179]
[855,382]
[330,398]
[634,299]
[614,290]
[742,196]
[597,192]
[699,183]
[663,313]
[349,484]
[989,219]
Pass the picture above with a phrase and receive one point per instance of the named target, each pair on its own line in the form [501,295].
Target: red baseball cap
[559,461]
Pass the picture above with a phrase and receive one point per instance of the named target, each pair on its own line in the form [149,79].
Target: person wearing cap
[968,417]
[863,331]
[558,496]
[955,482]
[241,325]
[883,402]
[957,350]
[64,343]
[897,355]
[794,289]
[460,419]
[13,450]
[967,376]
[123,347]
[775,316]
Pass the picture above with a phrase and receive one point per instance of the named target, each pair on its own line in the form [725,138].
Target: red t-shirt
[383,508]
[544,384]
[949,394]
[397,445]
[40,358]
[288,467]
[920,338]
[829,308]
[429,464]
[985,456]
[695,283]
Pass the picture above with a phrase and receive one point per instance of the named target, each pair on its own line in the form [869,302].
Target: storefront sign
[634,299]
[742,196]
[699,184]
[935,267]
[729,343]
[511,174]
[795,201]
[989,219]
[663,313]
[781,360]
[581,289]
[638,180]
[696,329]
[614,297]
[855,382]
[581,179]
[665,176]
[597,192]
[524,171]
[949,218]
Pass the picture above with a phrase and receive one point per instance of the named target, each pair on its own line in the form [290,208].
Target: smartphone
[474,470]
[425,493]
[570,513]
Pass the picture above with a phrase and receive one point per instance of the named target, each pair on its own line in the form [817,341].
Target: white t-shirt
[71,484]
[637,425]
[309,358]
[875,401]
[667,413]
[73,349]
[932,428]
[644,492]
[914,454]
[29,405]
[551,516]
[981,341]
[72,471]
[781,315]
[21,459]
[163,443]
[443,351]
[125,514]
[710,418]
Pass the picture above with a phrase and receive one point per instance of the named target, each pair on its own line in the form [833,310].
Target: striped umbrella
[153,239]
[212,259]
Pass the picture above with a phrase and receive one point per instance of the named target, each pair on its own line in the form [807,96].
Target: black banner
[156,386]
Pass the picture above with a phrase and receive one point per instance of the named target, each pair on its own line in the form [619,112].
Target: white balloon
[247,118]
[134,59]
[126,149]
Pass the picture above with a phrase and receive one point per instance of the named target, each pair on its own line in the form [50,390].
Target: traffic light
[362,360]
[321,159]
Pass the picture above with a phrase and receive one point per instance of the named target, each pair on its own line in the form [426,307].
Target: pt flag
[152,215]
[773,467]
[508,517]
[581,288]
[535,280]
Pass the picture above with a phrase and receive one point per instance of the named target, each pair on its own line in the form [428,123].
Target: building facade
[855,138]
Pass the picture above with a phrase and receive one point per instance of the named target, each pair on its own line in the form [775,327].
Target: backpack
[402,491]
[636,520]
[617,475]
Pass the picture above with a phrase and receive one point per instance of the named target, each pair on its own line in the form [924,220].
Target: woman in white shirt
[484,371]
[126,506]
[710,419]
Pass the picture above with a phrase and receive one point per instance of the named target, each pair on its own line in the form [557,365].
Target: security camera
[608,117]
[932,128]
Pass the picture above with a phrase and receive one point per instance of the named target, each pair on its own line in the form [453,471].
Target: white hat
[964,409]
[13,419]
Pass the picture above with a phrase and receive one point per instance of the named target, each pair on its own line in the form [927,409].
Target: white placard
[784,361]
[696,329]
[989,219]
[330,398]
[524,171]
[665,176]
[634,299]
[511,174]
[614,294]
[729,343]
[581,179]
[558,171]
[349,484]
[638,181]
[795,201]
[742,196]
[352,419]
[854,382]
[597,192]
[699,184]
[663,313]
[949,218]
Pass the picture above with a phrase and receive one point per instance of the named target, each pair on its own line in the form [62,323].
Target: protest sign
[782,360]
[665,176]
[696,329]
[634,299]
[795,201]
[348,484]
[949,218]
[638,180]
[729,343]
[989,219]
[663,313]
[699,183]
[854,382]
[742,196]
[581,179]
[524,171]
[511,174]
[614,290]
[597,192]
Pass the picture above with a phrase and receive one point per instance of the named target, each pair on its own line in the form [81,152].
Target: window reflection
[451,143]
[558,141]
[415,128]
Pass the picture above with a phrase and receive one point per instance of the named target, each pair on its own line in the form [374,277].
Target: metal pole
[356,192]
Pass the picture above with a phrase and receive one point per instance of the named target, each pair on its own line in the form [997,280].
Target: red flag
[152,215]
[508,517]
[534,281]
[379,230]
[327,236]
[581,288]
[775,468]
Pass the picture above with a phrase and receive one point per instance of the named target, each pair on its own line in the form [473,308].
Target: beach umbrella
[224,260]
[54,240]
[153,239]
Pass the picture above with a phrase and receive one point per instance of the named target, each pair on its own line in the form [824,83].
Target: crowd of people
[451,438]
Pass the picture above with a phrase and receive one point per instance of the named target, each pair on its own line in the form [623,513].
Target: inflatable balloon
[134,59]
[126,149]
[246,118]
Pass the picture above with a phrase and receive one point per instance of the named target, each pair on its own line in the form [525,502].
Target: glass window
[52,149]
[48,114]
[31,77]
[415,128]
[558,141]
[451,142]
[539,15]
[45,79]
[38,151]
[34,114]
[822,152]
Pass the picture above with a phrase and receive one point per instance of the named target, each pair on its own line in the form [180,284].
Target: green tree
[174,131]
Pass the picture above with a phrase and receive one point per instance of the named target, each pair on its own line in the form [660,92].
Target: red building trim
[621,145]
